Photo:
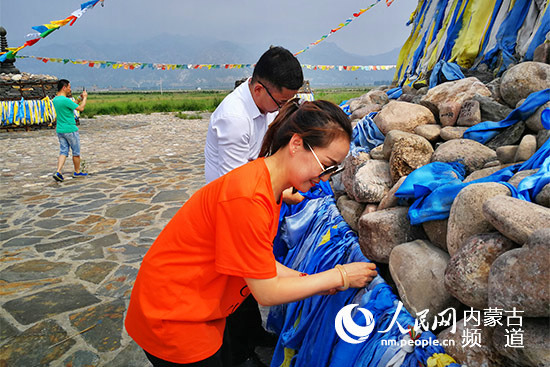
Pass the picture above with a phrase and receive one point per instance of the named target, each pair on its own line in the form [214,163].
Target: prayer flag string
[342,25]
[125,65]
[45,30]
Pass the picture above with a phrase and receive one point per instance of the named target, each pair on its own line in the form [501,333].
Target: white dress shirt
[235,133]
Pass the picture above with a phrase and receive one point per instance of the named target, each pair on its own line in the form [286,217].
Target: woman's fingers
[360,273]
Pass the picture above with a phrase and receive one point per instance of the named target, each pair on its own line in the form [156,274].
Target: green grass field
[116,103]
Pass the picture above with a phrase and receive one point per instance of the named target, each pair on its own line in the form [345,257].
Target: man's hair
[280,68]
[62,83]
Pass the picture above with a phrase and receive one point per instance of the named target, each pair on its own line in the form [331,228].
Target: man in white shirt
[235,134]
[237,127]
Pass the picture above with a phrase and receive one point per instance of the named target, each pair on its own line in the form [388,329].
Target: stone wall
[28,86]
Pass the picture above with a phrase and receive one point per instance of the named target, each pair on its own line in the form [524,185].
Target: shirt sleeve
[244,246]
[233,135]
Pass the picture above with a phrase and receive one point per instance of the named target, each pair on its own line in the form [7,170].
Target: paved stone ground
[69,252]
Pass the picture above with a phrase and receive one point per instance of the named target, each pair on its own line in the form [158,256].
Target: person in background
[217,249]
[235,133]
[67,131]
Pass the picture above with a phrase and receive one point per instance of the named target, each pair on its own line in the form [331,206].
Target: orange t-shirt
[192,277]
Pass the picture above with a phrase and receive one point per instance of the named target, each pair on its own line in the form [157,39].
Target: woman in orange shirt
[218,247]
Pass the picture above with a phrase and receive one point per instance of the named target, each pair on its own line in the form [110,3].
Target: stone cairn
[15,85]
[494,250]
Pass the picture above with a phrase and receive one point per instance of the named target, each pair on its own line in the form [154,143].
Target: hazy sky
[290,23]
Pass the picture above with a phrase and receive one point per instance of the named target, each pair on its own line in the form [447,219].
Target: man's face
[272,99]
[68,90]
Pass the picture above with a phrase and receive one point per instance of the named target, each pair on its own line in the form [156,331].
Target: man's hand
[84,94]
[290,198]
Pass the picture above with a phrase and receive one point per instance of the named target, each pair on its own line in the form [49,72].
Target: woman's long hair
[318,123]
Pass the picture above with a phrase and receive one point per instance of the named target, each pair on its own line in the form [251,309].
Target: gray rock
[542,52]
[402,116]
[543,197]
[351,165]
[542,137]
[491,110]
[34,346]
[51,223]
[491,164]
[536,339]
[436,230]
[364,110]
[351,211]
[7,331]
[519,278]
[534,122]
[422,288]
[34,269]
[467,273]
[516,219]
[94,272]
[409,154]
[381,231]
[378,152]
[507,153]
[125,210]
[106,335]
[119,285]
[390,200]
[527,147]
[429,131]
[518,177]
[521,80]
[472,154]
[132,356]
[470,114]
[452,132]
[509,136]
[82,358]
[51,246]
[466,217]
[484,172]
[375,97]
[494,87]
[482,355]
[371,182]
[45,304]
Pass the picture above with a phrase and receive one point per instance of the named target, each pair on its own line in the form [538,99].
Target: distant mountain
[171,49]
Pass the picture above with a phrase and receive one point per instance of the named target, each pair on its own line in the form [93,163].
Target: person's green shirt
[64,109]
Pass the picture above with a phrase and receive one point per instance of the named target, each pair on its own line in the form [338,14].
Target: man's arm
[82,104]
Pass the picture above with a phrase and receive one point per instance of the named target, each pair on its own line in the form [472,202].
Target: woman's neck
[277,171]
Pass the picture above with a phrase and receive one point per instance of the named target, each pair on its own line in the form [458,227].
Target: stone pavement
[70,251]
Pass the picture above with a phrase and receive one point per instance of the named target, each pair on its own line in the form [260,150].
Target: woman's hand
[360,273]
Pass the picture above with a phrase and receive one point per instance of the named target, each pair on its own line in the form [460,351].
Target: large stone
[448,97]
[422,288]
[491,110]
[542,52]
[381,231]
[391,138]
[402,116]
[534,121]
[34,269]
[377,152]
[105,321]
[470,114]
[390,200]
[125,210]
[542,137]
[533,350]
[527,147]
[351,210]
[516,219]
[519,277]
[34,347]
[364,110]
[375,97]
[41,305]
[507,153]
[452,132]
[509,136]
[471,153]
[436,230]
[543,197]
[94,272]
[478,352]
[516,179]
[467,273]
[171,195]
[428,131]
[409,154]
[351,165]
[371,182]
[466,217]
[522,79]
